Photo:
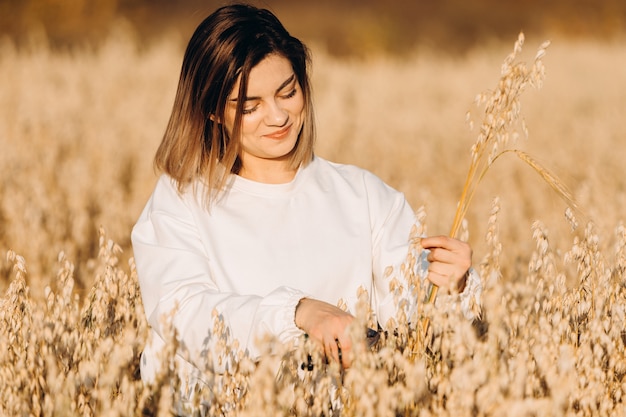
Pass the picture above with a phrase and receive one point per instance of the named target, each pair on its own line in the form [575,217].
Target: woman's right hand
[326,325]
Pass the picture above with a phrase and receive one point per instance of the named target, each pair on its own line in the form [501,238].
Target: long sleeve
[175,272]
[392,220]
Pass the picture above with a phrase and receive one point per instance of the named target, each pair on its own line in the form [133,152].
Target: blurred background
[343,27]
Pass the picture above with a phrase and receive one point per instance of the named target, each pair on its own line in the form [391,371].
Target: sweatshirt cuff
[469,299]
[471,295]
[288,330]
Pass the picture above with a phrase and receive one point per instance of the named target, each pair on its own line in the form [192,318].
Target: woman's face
[273,113]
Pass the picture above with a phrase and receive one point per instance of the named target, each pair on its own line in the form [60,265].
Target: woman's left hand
[449,260]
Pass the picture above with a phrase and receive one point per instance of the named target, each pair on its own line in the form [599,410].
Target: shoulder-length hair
[226,46]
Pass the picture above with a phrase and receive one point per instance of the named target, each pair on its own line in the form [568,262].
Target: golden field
[79,128]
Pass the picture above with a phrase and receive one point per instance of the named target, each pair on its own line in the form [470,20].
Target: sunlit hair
[225,46]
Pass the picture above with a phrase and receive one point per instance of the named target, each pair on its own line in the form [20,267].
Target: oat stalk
[498,129]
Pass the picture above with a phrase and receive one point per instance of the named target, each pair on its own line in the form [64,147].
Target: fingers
[449,260]
[327,326]
[441,255]
[339,350]
[448,283]
[344,351]
[447,243]
[332,350]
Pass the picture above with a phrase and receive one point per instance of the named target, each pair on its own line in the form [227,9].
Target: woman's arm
[444,261]
[175,274]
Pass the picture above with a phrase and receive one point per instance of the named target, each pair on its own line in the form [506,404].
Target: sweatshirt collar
[274,190]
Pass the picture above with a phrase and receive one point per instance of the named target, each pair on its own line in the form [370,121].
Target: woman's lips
[279,134]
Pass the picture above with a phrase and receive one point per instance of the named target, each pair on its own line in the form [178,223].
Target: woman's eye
[248,110]
[290,93]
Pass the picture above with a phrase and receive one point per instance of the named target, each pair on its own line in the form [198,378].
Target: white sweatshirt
[261,248]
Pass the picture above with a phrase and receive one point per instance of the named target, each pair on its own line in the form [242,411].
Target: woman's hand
[449,259]
[326,325]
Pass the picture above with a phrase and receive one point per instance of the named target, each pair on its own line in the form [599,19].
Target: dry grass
[78,131]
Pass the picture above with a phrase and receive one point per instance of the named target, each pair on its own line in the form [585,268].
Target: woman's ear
[214,119]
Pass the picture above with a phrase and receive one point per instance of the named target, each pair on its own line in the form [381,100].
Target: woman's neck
[268,173]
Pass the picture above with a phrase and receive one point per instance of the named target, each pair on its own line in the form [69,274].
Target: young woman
[246,221]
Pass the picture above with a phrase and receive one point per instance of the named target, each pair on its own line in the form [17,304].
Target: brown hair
[225,46]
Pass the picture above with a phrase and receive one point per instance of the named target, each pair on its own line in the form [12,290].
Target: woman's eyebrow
[283,85]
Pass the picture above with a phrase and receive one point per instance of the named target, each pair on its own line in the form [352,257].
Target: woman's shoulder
[166,188]
[323,165]
[168,194]
[352,173]
[382,200]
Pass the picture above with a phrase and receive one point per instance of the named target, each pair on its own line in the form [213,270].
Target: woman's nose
[276,115]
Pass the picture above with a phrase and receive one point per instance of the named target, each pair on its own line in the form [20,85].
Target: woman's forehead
[269,76]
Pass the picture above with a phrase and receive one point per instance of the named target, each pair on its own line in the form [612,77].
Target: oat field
[79,128]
